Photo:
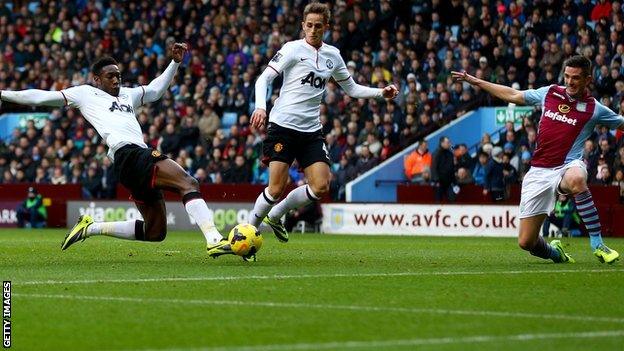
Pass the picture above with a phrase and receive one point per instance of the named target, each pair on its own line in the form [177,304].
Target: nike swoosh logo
[303,58]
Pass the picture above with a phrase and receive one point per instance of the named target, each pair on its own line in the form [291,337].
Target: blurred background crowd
[202,122]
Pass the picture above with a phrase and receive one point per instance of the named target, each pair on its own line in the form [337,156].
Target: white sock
[263,205]
[198,210]
[121,230]
[299,197]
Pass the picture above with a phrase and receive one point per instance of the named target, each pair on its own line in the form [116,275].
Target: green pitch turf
[318,292]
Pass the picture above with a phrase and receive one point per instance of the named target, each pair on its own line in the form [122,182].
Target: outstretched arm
[157,87]
[34,97]
[363,92]
[258,117]
[502,92]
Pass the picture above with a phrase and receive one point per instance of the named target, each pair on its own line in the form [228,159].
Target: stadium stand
[50,45]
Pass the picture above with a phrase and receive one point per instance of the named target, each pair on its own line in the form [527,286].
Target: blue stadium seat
[229,119]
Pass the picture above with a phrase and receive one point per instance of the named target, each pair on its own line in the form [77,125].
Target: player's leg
[279,150]
[536,200]
[317,175]
[85,227]
[574,181]
[529,239]
[169,175]
[278,179]
[313,157]
[22,216]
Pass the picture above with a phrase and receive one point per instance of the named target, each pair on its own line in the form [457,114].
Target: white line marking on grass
[341,345]
[356,308]
[306,276]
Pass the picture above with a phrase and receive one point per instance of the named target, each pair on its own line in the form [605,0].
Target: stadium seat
[228,120]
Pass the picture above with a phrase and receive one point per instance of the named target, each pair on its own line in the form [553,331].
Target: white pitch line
[341,345]
[356,308]
[307,276]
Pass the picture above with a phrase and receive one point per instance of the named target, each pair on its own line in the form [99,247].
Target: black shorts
[135,167]
[285,145]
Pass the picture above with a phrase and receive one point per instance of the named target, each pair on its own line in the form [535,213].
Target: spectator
[463,176]
[494,176]
[366,160]
[345,173]
[417,162]
[478,173]
[32,213]
[170,141]
[618,180]
[462,158]
[240,172]
[564,216]
[310,214]
[443,170]
[92,184]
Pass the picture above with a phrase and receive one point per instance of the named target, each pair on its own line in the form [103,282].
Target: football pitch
[318,292]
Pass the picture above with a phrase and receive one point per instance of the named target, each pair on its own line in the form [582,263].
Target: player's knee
[157,235]
[156,231]
[191,183]
[577,184]
[526,244]
[320,189]
[276,191]
[574,182]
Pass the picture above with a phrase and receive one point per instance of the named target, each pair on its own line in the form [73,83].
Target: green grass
[318,292]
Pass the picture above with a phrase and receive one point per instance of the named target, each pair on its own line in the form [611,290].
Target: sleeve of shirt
[535,96]
[283,59]
[340,72]
[137,95]
[75,96]
[33,97]
[606,116]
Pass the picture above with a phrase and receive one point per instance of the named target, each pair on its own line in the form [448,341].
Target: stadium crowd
[203,121]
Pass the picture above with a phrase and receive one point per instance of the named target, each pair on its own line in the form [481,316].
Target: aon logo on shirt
[314,81]
[122,107]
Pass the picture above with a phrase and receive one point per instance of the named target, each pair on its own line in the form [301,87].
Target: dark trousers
[30,216]
[445,191]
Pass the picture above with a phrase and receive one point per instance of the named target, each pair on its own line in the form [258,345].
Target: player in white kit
[111,109]
[294,130]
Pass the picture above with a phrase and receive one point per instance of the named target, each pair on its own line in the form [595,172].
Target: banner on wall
[440,220]
[225,214]
[8,213]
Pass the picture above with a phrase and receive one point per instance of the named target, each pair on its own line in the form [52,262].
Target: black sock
[139,230]
[543,250]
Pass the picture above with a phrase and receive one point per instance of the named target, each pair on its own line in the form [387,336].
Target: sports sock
[122,230]
[543,249]
[589,215]
[263,205]
[300,196]
[198,210]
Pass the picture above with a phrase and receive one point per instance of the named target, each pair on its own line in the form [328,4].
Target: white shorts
[539,188]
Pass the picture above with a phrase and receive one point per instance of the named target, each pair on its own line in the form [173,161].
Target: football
[245,240]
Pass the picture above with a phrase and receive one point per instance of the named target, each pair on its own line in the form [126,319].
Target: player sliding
[569,115]
[294,130]
[110,108]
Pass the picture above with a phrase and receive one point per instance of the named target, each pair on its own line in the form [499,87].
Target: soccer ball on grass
[245,240]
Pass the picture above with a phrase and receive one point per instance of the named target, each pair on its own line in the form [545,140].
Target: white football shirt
[306,72]
[113,117]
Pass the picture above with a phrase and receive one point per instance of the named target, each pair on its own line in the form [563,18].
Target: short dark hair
[318,8]
[101,63]
[579,61]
